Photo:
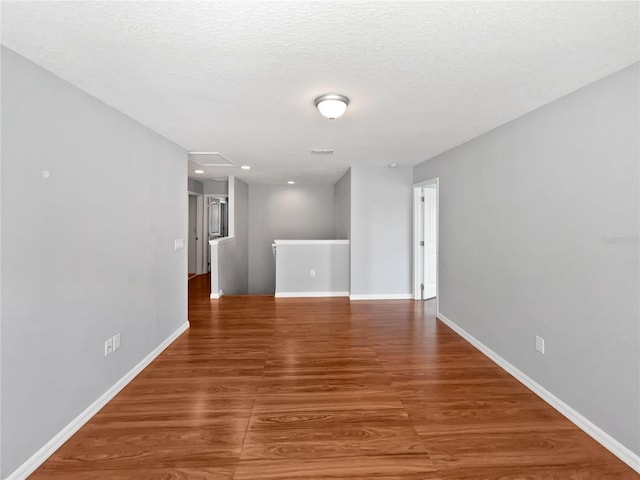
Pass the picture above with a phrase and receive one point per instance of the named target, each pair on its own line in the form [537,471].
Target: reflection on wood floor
[260,388]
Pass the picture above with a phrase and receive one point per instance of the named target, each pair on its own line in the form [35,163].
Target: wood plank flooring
[263,389]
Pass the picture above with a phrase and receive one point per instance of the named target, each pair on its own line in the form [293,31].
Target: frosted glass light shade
[332,105]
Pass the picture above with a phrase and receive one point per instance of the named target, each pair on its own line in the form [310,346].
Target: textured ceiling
[239,78]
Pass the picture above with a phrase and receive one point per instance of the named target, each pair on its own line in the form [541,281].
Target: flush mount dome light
[331,105]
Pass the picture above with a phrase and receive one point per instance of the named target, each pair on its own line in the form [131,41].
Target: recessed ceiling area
[240,78]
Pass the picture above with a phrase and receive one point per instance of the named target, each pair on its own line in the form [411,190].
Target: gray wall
[342,206]
[86,253]
[330,262]
[233,257]
[215,187]
[381,230]
[539,235]
[195,186]
[292,212]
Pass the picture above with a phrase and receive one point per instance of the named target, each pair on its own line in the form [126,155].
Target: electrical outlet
[312,273]
[108,347]
[116,342]
[540,344]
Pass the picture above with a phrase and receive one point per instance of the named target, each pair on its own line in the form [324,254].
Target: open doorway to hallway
[196,245]
[426,240]
[193,237]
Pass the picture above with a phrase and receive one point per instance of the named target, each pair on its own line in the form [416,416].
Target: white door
[430,241]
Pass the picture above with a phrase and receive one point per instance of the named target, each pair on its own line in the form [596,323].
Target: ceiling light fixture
[291,182]
[393,165]
[198,171]
[331,105]
[245,167]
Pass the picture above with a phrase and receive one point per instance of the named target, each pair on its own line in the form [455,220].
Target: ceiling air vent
[322,151]
[210,159]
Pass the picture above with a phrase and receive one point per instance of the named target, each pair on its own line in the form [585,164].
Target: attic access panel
[210,159]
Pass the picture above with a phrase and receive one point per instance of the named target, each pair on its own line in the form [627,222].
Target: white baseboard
[310,294]
[382,296]
[215,295]
[599,435]
[38,458]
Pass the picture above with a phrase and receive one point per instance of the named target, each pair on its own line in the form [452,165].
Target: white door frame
[418,228]
[201,243]
[192,250]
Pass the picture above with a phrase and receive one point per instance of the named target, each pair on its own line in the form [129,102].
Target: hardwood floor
[260,388]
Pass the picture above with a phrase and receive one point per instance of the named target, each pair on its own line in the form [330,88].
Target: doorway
[196,244]
[426,239]
[192,241]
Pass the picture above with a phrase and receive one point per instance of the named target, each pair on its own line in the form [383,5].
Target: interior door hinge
[422,199]
[422,286]
[422,243]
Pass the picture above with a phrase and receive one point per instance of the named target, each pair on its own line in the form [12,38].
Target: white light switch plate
[178,244]
[116,342]
[540,344]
